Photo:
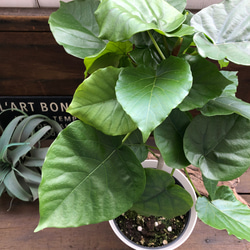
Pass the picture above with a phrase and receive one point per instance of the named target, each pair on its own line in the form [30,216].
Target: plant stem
[166,44]
[195,189]
[160,163]
[156,46]
[153,153]
[177,46]
[172,172]
[125,138]
[151,147]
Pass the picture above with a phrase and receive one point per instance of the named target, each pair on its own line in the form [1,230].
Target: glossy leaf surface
[219,146]
[149,95]
[208,83]
[225,214]
[224,105]
[88,177]
[74,27]
[120,20]
[95,103]
[162,197]
[109,56]
[227,25]
[169,139]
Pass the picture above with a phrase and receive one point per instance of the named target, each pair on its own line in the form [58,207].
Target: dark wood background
[31,63]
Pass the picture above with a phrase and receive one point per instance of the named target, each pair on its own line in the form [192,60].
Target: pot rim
[150,163]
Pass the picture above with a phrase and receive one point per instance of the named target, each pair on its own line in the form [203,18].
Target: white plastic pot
[190,222]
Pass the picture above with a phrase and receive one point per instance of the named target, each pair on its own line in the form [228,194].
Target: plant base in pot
[190,220]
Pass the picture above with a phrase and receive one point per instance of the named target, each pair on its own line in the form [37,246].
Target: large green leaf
[74,27]
[109,56]
[225,214]
[88,177]
[162,197]
[120,20]
[225,105]
[219,145]
[149,95]
[227,26]
[95,103]
[208,83]
[169,139]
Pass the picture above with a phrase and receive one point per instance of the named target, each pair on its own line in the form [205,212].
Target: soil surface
[150,231]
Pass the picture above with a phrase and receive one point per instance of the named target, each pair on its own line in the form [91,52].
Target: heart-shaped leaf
[225,214]
[162,197]
[227,25]
[169,139]
[219,146]
[74,27]
[120,20]
[88,177]
[109,56]
[95,103]
[149,95]
[208,83]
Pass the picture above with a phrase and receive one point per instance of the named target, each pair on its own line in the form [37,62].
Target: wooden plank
[17,226]
[244,186]
[246,197]
[32,63]
[4,11]
[204,238]
[23,23]
[24,19]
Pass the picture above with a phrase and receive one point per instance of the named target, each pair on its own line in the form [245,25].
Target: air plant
[22,154]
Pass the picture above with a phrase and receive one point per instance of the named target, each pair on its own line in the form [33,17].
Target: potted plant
[149,65]
[143,232]
[22,153]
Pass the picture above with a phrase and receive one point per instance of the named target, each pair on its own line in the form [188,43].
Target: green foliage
[95,169]
[146,70]
[21,155]
[225,214]
[160,193]
[219,146]
[224,39]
